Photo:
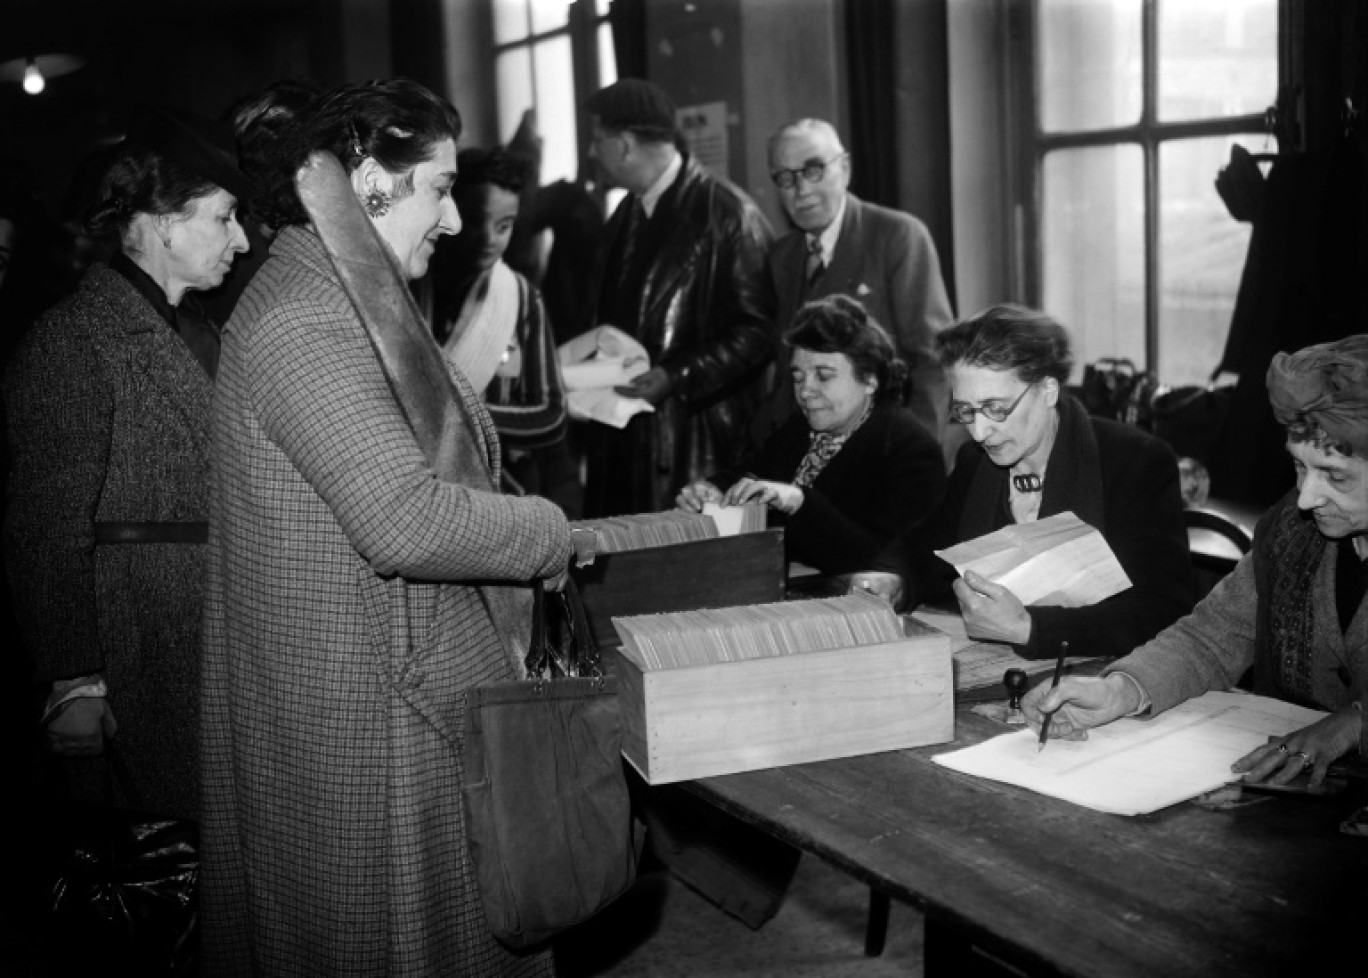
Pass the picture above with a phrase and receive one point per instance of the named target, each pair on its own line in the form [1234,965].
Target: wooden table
[1271,888]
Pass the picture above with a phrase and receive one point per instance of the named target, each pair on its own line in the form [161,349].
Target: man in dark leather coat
[684,273]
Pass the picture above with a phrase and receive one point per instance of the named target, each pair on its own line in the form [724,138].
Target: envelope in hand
[594,363]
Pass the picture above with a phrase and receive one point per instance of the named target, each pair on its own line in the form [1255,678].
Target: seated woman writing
[1036,452]
[852,469]
[1295,608]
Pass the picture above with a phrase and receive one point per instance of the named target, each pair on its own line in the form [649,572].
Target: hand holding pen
[1066,709]
[1054,685]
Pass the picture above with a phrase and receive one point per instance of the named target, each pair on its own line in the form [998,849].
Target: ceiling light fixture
[33,78]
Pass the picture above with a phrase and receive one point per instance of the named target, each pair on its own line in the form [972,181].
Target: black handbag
[1113,388]
[548,818]
[124,892]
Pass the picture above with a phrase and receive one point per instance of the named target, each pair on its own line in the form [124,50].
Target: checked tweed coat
[108,419]
[341,626]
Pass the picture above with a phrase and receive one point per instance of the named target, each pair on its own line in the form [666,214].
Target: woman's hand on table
[882,583]
[991,612]
[1310,750]
[1078,703]
[693,496]
[777,495]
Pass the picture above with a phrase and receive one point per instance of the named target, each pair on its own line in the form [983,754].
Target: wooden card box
[745,569]
[701,721]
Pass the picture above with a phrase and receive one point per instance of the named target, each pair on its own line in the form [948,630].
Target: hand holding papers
[595,362]
[1133,767]
[1059,560]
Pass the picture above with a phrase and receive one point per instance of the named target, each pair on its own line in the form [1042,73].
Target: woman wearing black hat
[108,416]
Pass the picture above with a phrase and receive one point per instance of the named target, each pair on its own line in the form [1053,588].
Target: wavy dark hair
[498,167]
[840,324]
[1009,337]
[263,124]
[397,122]
[141,180]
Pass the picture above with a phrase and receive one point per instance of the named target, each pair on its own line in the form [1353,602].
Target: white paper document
[1059,561]
[1131,766]
[595,362]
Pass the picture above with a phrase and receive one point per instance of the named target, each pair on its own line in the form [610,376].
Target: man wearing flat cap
[684,274]
[1293,610]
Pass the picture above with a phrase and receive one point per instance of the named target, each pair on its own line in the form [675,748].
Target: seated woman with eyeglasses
[1035,452]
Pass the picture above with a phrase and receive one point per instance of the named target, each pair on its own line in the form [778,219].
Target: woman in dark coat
[852,469]
[1036,452]
[107,403]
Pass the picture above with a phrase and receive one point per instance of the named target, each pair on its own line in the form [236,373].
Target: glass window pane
[1092,229]
[513,81]
[601,7]
[549,15]
[607,56]
[510,20]
[1091,60]
[555,73]
[1217,58]
[1201,256]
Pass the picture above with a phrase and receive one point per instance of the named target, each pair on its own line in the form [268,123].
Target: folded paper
[1059,560]
[594,363]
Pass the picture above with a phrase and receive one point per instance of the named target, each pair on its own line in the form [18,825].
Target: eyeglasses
[812,172]
[962,413]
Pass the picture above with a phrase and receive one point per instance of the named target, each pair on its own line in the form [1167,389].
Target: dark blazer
[1112,476]
[887,260]
[888,477]
[702,308]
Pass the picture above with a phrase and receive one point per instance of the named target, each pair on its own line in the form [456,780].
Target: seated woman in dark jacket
[851,470]
[1035,452]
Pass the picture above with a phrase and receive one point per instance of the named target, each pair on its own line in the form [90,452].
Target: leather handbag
[123,893]
[548,818]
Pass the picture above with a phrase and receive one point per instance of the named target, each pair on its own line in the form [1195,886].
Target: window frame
[582,25]
[1026,176]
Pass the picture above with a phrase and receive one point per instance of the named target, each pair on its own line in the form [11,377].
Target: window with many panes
[549,55]
[1133,106]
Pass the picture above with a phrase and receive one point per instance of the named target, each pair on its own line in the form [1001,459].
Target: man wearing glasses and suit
[883,258]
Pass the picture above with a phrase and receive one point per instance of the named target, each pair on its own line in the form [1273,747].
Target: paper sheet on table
[595,362]
[1131,766]
[1059,560]
[980,665]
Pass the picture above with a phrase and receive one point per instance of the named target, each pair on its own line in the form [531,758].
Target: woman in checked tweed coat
[343,615]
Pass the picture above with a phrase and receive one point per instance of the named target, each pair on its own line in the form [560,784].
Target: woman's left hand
[991,612]
[1309,750]
[776,495]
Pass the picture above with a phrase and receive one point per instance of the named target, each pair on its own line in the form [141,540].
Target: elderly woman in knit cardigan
[1295,608]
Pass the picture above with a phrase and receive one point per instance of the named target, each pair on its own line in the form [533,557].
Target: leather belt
[122,532]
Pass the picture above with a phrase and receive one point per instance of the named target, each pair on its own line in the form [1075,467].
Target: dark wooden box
[745,569]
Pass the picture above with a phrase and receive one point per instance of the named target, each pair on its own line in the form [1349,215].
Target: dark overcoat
[701,305]
[108,420]
[343,622]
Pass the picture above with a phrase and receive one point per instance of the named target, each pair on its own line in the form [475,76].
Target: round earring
[376,202]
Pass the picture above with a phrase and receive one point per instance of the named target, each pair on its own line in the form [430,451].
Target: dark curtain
[627,19]
[872,140]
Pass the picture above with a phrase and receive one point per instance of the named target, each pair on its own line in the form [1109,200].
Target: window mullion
[1150,147]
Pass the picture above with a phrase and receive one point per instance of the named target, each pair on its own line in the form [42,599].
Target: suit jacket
[703,311]
[108,418]
[343,623]
[887,260]
[887,478]
[1114,477]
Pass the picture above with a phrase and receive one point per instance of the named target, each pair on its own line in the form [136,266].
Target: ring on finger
[1306,759]
[1283,748]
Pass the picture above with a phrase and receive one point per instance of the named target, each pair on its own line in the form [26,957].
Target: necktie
[815,265]
[636,218]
